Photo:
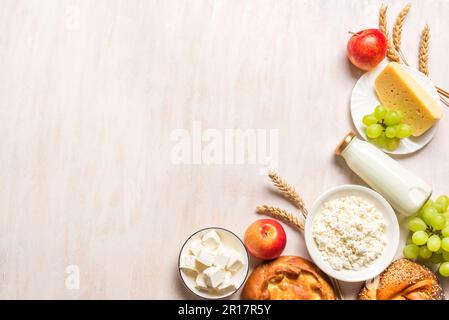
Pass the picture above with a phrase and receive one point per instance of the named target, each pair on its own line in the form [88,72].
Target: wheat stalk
[282,215]
[383,19]
[424,50]
[288,192]
[391,51]
[397,28]
[397,31]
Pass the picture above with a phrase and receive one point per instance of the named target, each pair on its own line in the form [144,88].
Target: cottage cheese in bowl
[352,233]
[349,232]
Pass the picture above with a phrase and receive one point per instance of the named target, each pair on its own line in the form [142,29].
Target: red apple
[367,48]
[265,239]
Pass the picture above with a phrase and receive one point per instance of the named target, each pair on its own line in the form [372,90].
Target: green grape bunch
[429,231]
[384,127]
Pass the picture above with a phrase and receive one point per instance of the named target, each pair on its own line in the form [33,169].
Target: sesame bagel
[403,280]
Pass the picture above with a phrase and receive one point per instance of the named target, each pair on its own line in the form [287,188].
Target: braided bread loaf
[288,278]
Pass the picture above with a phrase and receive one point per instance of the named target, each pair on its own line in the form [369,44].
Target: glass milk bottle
[402,189]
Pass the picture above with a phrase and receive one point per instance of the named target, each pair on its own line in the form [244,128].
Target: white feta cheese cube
[221,259]
[201,282]
[235,261]
[214,276]
[206,257]
[188,263]
[220,249]
[195,247]
[211,240]
[228,284]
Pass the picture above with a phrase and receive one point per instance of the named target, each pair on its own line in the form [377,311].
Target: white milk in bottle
[402,189]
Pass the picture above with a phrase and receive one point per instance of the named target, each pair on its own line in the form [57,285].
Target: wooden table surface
[94,94]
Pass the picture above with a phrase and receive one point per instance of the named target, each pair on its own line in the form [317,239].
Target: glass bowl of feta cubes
[213,263]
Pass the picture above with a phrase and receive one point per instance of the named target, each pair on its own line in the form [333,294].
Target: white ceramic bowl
[392,233]
[229,239]
[364,100]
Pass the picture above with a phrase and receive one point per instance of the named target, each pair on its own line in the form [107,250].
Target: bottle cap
[342,145]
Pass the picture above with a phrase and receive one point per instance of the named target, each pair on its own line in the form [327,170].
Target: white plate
[392,233]
[229,239]
[364,100]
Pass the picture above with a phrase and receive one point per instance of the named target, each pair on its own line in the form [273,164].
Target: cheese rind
[398,90]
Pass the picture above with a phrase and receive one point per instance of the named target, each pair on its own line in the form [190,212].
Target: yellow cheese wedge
[398,90]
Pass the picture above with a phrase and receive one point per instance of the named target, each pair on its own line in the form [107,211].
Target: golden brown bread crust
[288,278]
[403,280]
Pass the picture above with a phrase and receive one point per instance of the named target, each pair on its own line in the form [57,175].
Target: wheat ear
[424,50]
[281,214]
[288,192]
[391,51]
[397,28]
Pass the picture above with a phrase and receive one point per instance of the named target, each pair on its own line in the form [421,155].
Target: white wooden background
[90,92]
